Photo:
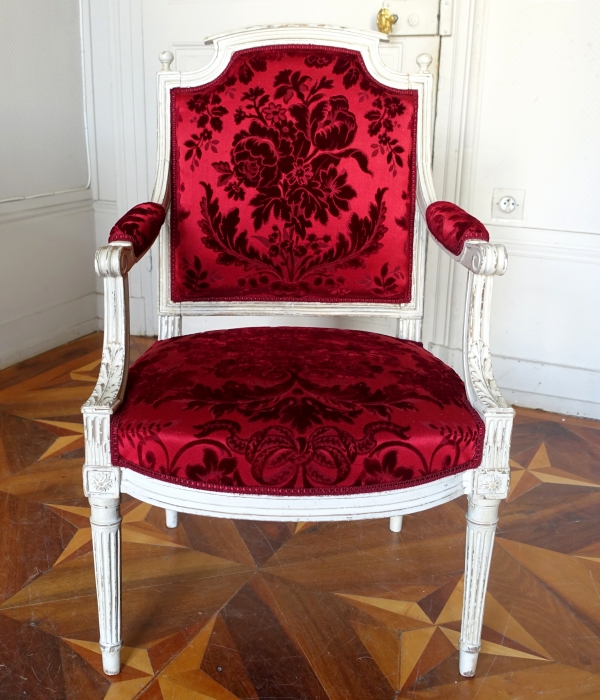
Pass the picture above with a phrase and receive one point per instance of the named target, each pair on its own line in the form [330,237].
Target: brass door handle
[386,20]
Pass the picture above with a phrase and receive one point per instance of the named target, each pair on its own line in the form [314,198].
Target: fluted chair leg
[106,538]
[482,517]
[396,523]
[171,518]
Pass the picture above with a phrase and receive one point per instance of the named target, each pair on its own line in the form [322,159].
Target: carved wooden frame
[484,486]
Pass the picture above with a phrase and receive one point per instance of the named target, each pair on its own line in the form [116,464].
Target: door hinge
[446,16]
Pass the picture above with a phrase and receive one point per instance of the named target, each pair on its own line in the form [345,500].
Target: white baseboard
[574,391]
[28,336]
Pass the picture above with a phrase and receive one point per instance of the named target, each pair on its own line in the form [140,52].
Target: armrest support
[113,262]
[130,238]
[466,239]
[484,260]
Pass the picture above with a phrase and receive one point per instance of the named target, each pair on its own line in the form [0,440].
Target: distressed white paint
[105,522]
[482,516]
[485,486]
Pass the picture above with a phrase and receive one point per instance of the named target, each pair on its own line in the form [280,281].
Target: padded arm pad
[451,226]
[140,227]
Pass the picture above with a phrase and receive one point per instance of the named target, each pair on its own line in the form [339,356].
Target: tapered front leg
[106,536]
[482,517]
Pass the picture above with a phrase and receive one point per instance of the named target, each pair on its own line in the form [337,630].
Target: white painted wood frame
[484,486]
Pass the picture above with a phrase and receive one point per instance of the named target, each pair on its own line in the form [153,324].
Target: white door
[141,30]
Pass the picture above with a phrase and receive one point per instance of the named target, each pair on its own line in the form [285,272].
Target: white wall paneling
[47,281]
[46,274]
[518,89]
[46,151]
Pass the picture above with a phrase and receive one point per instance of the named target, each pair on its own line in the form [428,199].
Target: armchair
[297,170]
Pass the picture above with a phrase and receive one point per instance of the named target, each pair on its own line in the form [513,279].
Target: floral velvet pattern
[452,226]
[294,411]
[293,179]
[140,227]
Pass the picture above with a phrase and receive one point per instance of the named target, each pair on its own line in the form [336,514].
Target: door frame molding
[455,152]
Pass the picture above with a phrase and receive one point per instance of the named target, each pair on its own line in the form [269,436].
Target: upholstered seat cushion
[304,411]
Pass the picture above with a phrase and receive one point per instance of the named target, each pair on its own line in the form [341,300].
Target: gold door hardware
[386,20]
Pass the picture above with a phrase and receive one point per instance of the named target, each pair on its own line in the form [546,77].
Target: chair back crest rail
[330,104]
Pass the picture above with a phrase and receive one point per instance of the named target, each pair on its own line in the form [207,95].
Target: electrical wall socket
[508,204]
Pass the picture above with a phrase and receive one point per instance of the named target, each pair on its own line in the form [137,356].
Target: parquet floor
[223,609]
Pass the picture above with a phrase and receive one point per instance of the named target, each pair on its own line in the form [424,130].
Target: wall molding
[583,248]
[105,206]
[49,205]
[544,385]
[456,128]
[128,67]
[84,80]
[526,382]
[47,328]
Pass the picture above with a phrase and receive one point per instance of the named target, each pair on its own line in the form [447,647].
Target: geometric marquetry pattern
[221,609]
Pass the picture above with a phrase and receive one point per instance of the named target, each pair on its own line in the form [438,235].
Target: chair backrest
[295,160]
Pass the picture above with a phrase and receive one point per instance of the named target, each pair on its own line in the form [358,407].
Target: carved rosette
[492,484]
[101,481]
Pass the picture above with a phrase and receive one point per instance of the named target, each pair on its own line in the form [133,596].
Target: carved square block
[492,484]
[99,481]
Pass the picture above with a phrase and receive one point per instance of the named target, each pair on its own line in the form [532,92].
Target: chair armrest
[466,239]
[140,227]
[130,238]
[451,227]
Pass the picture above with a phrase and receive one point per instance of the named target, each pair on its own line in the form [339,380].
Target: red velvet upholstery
[140,226]
[293,179]
[294,411]
[452,226]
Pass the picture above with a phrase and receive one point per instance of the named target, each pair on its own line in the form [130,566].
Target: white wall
[532,127]
[47,287]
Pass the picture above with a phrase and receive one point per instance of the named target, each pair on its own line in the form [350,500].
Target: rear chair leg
[396,523]
[106,537]
[171,518]
[482,517]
